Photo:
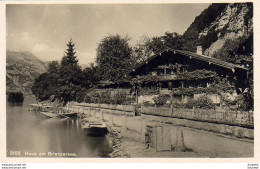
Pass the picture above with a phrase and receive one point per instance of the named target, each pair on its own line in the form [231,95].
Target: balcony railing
[167,77]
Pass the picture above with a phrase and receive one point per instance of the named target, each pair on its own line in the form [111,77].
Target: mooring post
[143,129]
[111,119]
[159,138]
[179,146]
[124,125]
[89,111]
[166,138]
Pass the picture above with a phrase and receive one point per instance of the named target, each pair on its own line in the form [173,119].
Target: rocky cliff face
[236,21]
[21,70]
[219,23]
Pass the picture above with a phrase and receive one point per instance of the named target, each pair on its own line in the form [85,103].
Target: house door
[170,85]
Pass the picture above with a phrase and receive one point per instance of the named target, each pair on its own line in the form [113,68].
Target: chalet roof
[210,59]
[195,56]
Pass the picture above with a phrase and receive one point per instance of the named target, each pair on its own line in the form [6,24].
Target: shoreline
[126,145]
[127,135]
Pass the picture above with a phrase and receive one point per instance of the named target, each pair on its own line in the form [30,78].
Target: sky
[45,29]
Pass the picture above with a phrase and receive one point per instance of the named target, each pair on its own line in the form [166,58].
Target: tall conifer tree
[71,75]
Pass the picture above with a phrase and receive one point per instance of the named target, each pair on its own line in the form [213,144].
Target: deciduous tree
[114,57]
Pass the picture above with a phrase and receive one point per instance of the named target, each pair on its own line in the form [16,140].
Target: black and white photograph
[129,80]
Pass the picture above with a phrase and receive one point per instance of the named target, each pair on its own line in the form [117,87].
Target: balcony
[167,77]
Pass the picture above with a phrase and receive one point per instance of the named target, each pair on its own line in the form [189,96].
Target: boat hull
[50,115]
[95,131]
[94,128]
[69,114]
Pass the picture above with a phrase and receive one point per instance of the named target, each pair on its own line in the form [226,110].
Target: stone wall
[224,122]
[175,134]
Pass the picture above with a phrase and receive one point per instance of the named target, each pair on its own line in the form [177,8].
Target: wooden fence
[238,118]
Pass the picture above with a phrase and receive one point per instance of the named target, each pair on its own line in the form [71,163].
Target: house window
[154,73]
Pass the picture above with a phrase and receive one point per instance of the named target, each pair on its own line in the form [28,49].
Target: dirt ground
[129,145]
[126,146]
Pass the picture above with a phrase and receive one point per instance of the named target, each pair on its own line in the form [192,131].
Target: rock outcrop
[217,24]
[234,22]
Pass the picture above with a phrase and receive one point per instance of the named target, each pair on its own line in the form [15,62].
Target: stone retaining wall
[175,134]
[119,115]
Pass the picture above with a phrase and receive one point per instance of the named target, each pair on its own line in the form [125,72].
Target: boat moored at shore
[94,128]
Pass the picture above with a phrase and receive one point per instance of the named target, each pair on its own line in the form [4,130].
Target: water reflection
[29,131]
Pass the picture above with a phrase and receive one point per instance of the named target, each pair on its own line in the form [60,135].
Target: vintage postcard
[90,81]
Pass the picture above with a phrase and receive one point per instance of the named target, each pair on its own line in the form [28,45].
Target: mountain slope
[219,23]
[21,70]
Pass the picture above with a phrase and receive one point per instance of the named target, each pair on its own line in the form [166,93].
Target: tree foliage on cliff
[190,36]
[147,47]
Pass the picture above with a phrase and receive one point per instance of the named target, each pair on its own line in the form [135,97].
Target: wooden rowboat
[73,114]
[50,114]
[94,128]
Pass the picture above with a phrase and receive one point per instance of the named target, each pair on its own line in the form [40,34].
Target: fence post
[102,115]
[154,136]
[173,136]
[193,112]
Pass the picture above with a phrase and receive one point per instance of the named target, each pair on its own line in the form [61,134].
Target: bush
[120,98]
[161,100]
[148,103]
[191,103]
[106,97]
[243,102]
[201,102]
[204,102]
[179,105]
[80,95]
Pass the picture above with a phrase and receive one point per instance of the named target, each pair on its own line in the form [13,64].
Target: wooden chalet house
[172,70]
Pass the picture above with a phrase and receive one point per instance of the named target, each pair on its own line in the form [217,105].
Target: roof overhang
[204,58]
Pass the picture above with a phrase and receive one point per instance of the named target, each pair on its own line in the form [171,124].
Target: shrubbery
[161,100]
[202,102]
[107,97]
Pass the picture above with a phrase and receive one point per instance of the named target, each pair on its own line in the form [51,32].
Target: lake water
[31,134]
